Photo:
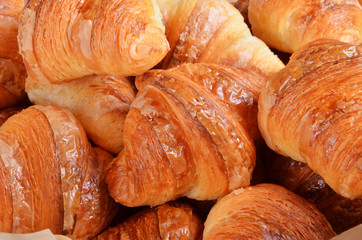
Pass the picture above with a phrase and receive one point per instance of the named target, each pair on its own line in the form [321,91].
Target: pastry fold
[70,39]
[265,211]
[188,127]
[311,111]
[288,25]
[51,176]
[100,103]
[212,31]
[168,221]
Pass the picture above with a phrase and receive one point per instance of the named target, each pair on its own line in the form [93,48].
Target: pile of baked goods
[172,119]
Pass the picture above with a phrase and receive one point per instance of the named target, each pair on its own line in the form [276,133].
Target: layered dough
[100,103]
[288,25]
[168,221]
[188,127]
[65,40]
[212,32]
[265,211]
[311,112]
[51,176]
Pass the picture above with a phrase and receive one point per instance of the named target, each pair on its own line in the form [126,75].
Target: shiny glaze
[288,25]
[311,111]
[65,40]
[182,133]
[265,211]
[53,175]
[168,221]
[35,193]
[213,32]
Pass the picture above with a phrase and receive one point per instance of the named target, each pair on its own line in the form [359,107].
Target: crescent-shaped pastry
[70,39]
[168,221]
[288,25]
[187,128]
[212,31]
[50,176]
[311,111]
[265,211]
[100,103]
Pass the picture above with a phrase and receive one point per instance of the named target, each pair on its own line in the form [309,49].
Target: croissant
[50,176]
[70,39]
[311,112]
[168,221]
[100,103]
[265,211]
[187,127]
[288,25]
[12,70]
[212,31]
[342,213]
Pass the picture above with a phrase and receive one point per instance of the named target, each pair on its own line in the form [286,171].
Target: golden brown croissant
[265,211]
[168,221]
[70,39]
[212,31]
[100,103]
[311,111]
[288,25]
[341,212]
[50,176]
[12,70]
[187,128]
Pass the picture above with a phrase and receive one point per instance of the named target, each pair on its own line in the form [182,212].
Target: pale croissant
[168,221]
[12,70]
[189,132]
[265,211]
[212,31]
[311,111]
[50,176]
[100,103]
[288,25]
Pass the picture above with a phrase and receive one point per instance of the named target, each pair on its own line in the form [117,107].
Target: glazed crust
[34,193]
[212,32]
[288,25]
[168,221]
[185,129]
[265,211]
[311,112]
[65,40]
[51,175]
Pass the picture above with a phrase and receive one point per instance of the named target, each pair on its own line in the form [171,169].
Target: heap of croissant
[141,103]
